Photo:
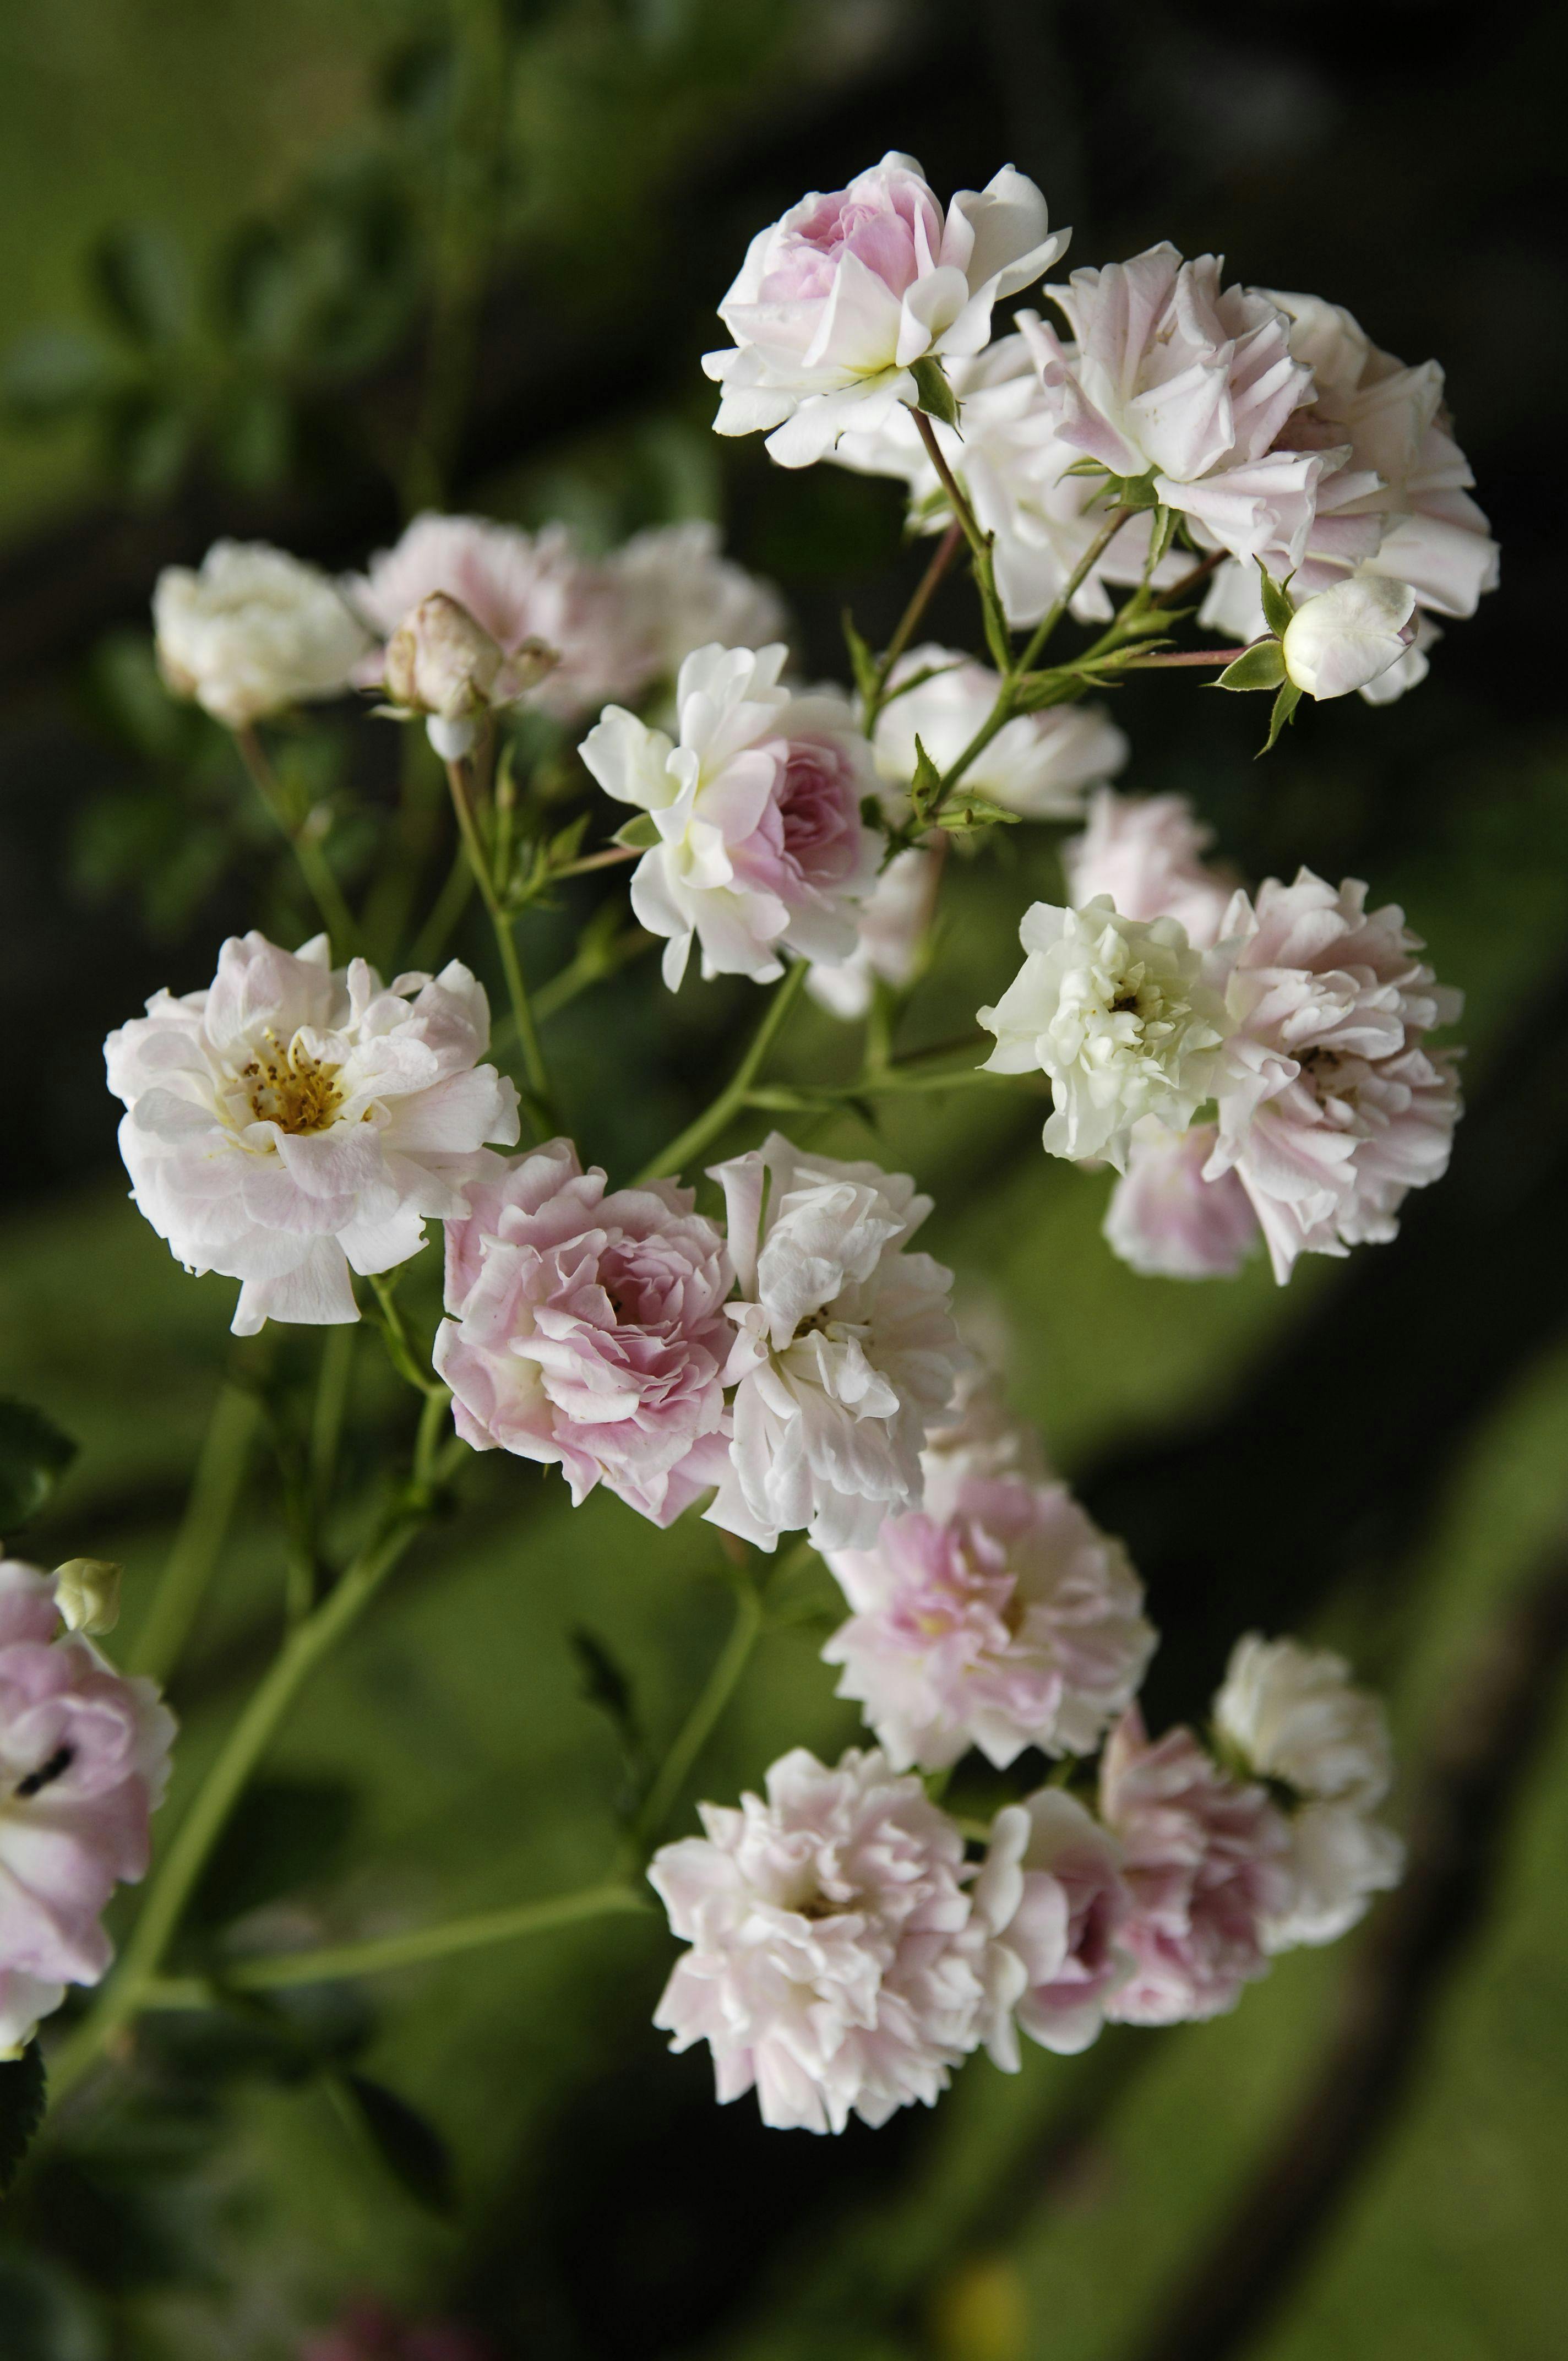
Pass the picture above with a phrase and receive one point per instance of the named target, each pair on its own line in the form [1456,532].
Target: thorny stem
[732,1098]
[699,1723]
[309,852]
[220,1472]
[208,1815]
[541,1102]
[379,1954]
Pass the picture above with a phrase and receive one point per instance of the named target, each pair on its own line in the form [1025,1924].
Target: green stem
[1075,582]
[534,1067]
[699,1725]
[199,1831]
[448,907]
[400,1350]
[380,1953]
[732,1097]
[314,866]
[327,1418]
[220,1473]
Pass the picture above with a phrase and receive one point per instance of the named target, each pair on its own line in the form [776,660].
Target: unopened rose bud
[87,1593]
[1347,636]
[441,661]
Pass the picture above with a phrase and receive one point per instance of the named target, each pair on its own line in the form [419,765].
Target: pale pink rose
[1393,499]
[836,1965]
[893,923]
[1332,1107]
[1052,1889]
[837,302]
[523,589]
[1207,1862]
[1170,376]
[682,593]
[1167,1220]
[1014,1622]
[585,1330]
[755,804]
[978,1437]
[369,2332]
[1146,852]
[1039,766]
[1015,469]
[83,1762]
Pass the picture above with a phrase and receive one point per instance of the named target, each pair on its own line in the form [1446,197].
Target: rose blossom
[1146,852]
[1393,499]
[1038,764]
[1014,469]
[757,808]
[1331,1105]
[977,1436]
[1012,1622]
[1121,1015]
[1052,1892]
[836,302]
[1340,1857]
[253,632]
[1173,377]
[1347,637]
[893,922]
[529,592]
[294,1120]
[681,594]
[83,1762]
[1166,1219]
[585,1330]
[845,1346]
[836,1963]
[1206,1861]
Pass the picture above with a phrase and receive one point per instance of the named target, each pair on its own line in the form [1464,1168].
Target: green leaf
[54,372]
[143,278]
[1088,467]
[862,664]
[33,1454]
[24,2095]
[926,784]
[45,2314]
[1278,607]
[1285,705]
[937,396]
[283,1834]
[638,835]
[1259,666]
[411,2148]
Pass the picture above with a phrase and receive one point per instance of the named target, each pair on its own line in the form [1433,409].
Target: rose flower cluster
[1258,1065]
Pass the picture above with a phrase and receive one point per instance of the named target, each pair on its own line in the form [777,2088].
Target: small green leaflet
[1260,666]
[937,396]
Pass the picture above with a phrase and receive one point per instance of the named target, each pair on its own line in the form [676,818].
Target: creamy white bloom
[1171,375]
[893,923]
[756,802]
[1038,764]
[681,593]
[254,631]
[837,302]
[1339,1859]
[836,1962]
[1292,1713]
[1344,638]
[1014,469]
[845,1346]
[295,1120]
[1121,1018]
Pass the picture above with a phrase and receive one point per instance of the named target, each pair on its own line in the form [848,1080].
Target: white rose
[1348,636]
[1038,764]
[1293,1714]
[253,632]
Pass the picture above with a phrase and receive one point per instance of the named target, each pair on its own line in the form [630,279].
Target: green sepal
[1086,466]
[926,786]
[1162,535]
[1132,491]
[862,664]
[975,811]
[1278,607]
[638,835]
[1259,666]
[1285,705]
[937,396]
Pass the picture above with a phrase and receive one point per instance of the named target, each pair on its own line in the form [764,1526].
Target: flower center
[291,1089]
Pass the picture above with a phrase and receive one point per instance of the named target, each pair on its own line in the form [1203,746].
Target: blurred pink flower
[1331,1105]
[1146,852]
[1052,1889]
[83,1762]
[1207,1863]
[836,1963]
[1167,1220]
[585,1330]
[1014,1622]
[369,2332]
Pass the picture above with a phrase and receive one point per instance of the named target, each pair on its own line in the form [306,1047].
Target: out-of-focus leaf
[150,440]
[861,661]
[253,435]
[53,371]
[282,1834]
[33,1454]
[144,280]
[23,2097]
[44,2315]
[409,2145]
